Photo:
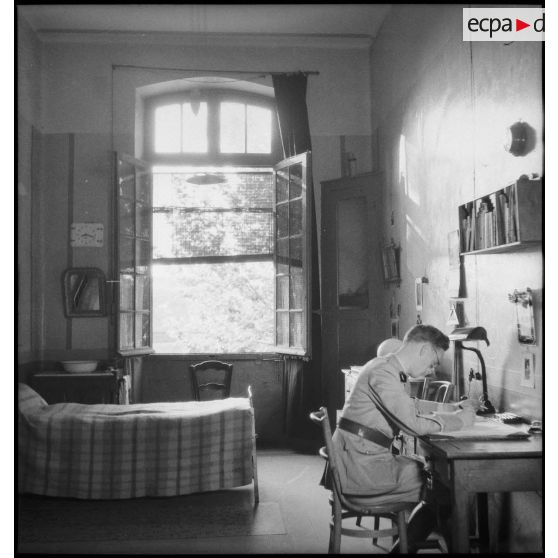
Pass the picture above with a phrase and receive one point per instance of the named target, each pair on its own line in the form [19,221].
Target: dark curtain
[302,378]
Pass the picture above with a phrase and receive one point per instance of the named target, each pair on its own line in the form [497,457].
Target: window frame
[305,351]
[139,169]
[213,157]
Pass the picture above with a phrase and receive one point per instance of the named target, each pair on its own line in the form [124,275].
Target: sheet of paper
[483,429]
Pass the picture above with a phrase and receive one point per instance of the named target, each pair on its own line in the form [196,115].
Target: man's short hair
[427,334]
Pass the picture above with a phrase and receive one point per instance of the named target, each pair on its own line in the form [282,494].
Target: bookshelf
[506,220]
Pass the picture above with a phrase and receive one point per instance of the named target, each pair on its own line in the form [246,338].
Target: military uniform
[370,468]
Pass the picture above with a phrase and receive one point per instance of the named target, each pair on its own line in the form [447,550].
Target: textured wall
[440,107]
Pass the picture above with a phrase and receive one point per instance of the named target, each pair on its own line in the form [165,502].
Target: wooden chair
[437,390]
[211,379]
[344,507]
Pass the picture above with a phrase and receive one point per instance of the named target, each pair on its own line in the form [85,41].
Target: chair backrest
[321,418]
[439,391]
[211,379]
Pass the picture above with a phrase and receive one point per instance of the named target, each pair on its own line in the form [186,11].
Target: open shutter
[292,256]
[133,255]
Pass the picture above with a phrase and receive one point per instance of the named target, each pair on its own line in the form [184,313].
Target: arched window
[212,154]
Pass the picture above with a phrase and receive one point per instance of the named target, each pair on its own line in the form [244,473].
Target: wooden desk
[90,387]
[468,467]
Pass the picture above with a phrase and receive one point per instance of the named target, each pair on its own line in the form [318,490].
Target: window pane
[126,217]
[126,178]
[143,186]
[295,217]
[126,331]
[295,329]
[233,132]
[143,213]
[282,329]
[126,291]
[295,189]
[282,177]
[142,330]
[282,220]
[258,126]
[167,129]
[126,254]
[194,135]
[282,292]
[213,308]
[142,292]
[297,288]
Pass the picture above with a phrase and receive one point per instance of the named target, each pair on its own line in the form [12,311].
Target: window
[229,251]
[133,245]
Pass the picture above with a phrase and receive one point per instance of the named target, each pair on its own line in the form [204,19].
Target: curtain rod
[262,73]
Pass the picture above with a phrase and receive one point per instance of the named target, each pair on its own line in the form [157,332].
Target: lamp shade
[469,334]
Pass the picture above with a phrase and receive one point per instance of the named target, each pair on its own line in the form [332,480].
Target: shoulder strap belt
[364,432]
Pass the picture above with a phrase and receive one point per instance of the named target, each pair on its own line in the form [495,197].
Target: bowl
[77,366]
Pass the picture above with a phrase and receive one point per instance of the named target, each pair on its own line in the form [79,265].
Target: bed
[103,451]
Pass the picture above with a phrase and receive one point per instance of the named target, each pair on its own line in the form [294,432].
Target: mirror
[84,292]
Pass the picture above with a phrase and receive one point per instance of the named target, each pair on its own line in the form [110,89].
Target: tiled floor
[288,478]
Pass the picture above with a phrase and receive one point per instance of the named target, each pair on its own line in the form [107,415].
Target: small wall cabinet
[505,220]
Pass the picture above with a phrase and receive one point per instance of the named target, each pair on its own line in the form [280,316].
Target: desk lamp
[460,334]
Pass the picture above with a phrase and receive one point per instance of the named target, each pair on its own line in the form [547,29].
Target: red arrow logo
[519,25]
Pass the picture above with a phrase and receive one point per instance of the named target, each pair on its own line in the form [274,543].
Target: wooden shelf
[511,247]
[506,220]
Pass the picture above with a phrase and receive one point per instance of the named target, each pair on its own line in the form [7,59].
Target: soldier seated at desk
[375,411]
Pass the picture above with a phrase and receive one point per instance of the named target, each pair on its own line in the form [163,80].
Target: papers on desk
[484,429]
[355,368]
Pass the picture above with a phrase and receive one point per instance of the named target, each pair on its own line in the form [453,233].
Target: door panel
[352,284]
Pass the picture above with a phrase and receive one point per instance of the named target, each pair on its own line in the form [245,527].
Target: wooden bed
[73,450]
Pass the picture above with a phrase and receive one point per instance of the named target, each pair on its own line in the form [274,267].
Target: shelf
[511,247]
[506,220]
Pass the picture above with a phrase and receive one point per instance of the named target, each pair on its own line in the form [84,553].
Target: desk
[89,387]
[468,467]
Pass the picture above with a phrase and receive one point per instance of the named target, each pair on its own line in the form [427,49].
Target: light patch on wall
[402,171]
[416,246]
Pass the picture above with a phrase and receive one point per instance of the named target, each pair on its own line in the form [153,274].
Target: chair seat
[368,505]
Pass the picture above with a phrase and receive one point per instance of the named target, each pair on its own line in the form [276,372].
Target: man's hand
[467,416]
[473,404]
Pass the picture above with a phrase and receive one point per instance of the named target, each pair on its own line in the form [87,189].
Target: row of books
[489,221]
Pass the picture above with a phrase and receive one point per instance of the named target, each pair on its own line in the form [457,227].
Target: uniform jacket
[364,466]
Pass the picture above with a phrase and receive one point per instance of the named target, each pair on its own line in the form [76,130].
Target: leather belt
[370,434]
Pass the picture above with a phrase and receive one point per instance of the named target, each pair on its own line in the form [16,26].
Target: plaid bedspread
[126,451]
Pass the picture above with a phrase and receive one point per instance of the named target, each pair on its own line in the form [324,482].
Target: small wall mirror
[84,292]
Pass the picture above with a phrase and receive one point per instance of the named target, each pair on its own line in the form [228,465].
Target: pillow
[29,399]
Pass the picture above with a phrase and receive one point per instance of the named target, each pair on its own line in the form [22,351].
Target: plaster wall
[440,107]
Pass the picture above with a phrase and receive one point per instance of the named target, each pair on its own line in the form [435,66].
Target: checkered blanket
[126,451]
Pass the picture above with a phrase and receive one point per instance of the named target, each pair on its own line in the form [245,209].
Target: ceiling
[340,20]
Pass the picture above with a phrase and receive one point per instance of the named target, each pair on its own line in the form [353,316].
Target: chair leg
[376,528]
[335,527]
[402,528]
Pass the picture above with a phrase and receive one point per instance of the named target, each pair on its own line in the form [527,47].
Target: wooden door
[353,319]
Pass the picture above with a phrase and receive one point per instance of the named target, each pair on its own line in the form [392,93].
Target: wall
[88,109]
[28,115]
[451,102]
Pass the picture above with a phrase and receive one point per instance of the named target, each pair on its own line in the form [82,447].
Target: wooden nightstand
[90,387]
